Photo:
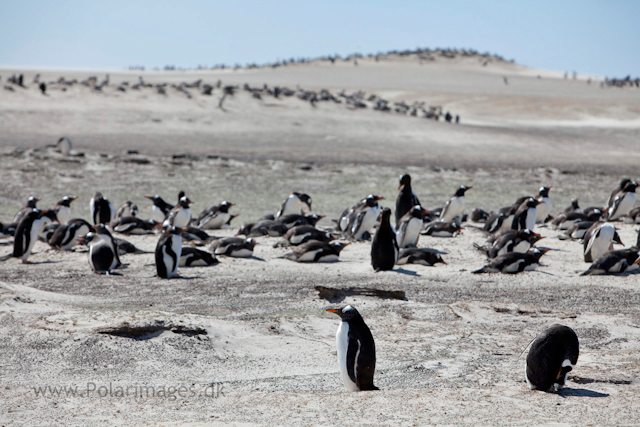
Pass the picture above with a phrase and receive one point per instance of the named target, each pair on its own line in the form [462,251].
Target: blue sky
[596,37]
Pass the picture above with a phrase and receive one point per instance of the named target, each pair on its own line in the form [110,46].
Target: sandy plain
[259,348]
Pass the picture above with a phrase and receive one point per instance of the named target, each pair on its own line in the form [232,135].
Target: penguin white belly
[531,218]
[296,240]
[215,222]
[531,267]
[168,262]
[309,256]
[522,247]
[182,217]
[442,234]
[242,253]
[624,206]
[600,241]
[505,249]
[344,222]
[454,208]
[156,212]
[411,233]
[293,205]
[176,247]
[403,260]
[565,225]
[543,209]
[342,343]
[92,208]
[329,258]
[619,266]
[506,224]
[578,234]
[367,222]
[512,268]
[64,213]
[33,238]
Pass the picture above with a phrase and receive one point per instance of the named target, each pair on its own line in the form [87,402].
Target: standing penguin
[598,239]
[623,201]
[168,252]
[364,218]
[455,206]
[410,226]
[356,350]
[102,257]
[102,210]
[294,204]
[525,217]
[26,234]
[180,215]
[215,217]
[128,208]
[160,208]
[63,209]
[406,198]
[28,207]
[345,222]
[384,248]
[553,355]
[544,208]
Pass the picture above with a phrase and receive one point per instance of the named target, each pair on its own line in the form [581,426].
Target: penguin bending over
[356,350]
[63,209]
[303,233]
[544,208]
[553,355]
[364,218]
[215,217]
[168,252]
[236,247]
[442,229]
[598,240]
[133,225]
[128,208]
[384,247]
[160,208]
[623,201]
[346,218]
[294,204]
[454,207]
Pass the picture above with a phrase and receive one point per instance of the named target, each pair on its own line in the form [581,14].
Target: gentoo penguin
[193,257]
[553,354]
[616,190]
[384,247]
[564,221]
[511,241]
[105,235]
[623,201]
[479,215]
[160,208]
[215,217]
[544,208]
[497,222]
[194,234]
[364,218]
[133,225]
[442,229]
[422,256]
[63,209]
[454,208]
[406,198]
[294,204]
[577,230]
[102,211]
[64,146]
[292,220]
[180,215]
[128,208]
[346,220]
[633,217]
[316,251]
[265,227]
[26,234]
[168,252]
[66,236]
[574,207]
[615,262]
[102,257]
[28,207]
[598,240]
[303,233]
[356,350]
[525,216]
[409,227]
[237,247]
[514,262]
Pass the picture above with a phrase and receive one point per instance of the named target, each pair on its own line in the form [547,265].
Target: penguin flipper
[353,348]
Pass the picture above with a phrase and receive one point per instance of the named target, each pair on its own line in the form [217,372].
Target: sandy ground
[261,348]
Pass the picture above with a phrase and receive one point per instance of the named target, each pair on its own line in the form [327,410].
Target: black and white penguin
[215,217]
[623,201]
[168,252]
[264,227]
[26,234]
[180,215]
[64,146]
[128,208]
[598,240]
[633,217]
[497,222]
[564,221]
[363,219]
[292,220]
[294,204]
[616,190]
[346,220]
[133,225]
[410,226]
[384,247]
[303,233]
[454,208]
[442,229]
[316,251]
[356,350]
[553,355]
[102,210]
[525,216]
[422,256]
[102,257]
[28,207]
[197,235]
[160,208]
[406,198]
[514,262]
[615,262]
[544,208]
[236,247]
[574,207]
[511,241]
[66,236]
[479,215]
[63,209]
[577,230]
[103,233]
[193,257]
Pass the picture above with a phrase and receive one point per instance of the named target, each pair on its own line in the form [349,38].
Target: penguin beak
[424,211]
[539,202]
[148,197]
[333,310]
[637,261]
[399,186]
[442,261]
[379,198]
[469,188]
[322,216]
[190,202]
[184,229]
[73,198]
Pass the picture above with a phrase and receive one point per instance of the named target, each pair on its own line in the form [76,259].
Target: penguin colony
[509,248]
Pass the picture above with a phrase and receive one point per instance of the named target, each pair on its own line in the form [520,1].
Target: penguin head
[245,230]
[630,187]
[385,216]
[347,313]
[305,198]
[460,192]
[339,246]
[31,202]
[66,200]
[224,206]
[49,216]
[185,202]
[98,196]
[405,181]
[250,243]
[418,212]
[544,191]
[532,203]
[537,253]
[87,238]
[616,238]
[181,194]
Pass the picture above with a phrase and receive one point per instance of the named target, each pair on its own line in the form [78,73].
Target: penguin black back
[406,198]
[384,248]
[553,354]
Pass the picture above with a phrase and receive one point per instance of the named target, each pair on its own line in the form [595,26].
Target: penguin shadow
[580,392]
[44,262]
[407,272]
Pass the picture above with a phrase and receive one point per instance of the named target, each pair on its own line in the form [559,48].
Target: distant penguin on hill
[384,247]
[215,217]
[615,262]
[168,252]
[28,207]
[454,208]
[410,226]
[598,240]
[623,201]
[63,209]
[553,354]
[356,350]
[180,215]
[406,198]
[294,204]
[544,208]
[64,146]
[102,210]
[160,208]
